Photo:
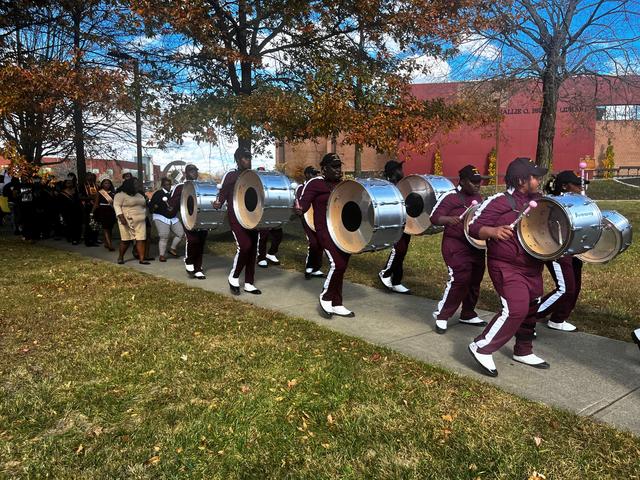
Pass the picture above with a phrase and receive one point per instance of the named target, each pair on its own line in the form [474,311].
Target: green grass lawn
[608,305]
[110,373]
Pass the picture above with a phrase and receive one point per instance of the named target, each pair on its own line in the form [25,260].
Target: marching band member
[391,276]
[264,256]
[565,271]
[516,276]
[246,240]
[313,262]
[195,238]
[465,263]
[166,220]
[316,193]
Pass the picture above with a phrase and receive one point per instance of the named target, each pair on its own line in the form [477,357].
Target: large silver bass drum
[616,238]
[421,193]
[365,215]
[196,209]
[567,224]
[263,200]
[468,216]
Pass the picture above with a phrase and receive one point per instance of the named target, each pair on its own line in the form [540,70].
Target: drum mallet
[582,166]
[532,204]
[473,204]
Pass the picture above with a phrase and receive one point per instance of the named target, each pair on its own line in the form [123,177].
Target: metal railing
[620,172]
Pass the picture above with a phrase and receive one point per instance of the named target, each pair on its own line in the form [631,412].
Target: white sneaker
[326,307]
[234,282]
[317,273]
[562,326]
[342,311]
[400,289]
[635,336]
[249,288]
[273,259]
[386,281]
[532,360]
[190,268]
[441,326]
[263,264]
[308,271]
[199,275]
[485,360]
[474,321]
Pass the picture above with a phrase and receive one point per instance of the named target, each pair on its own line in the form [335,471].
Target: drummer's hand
[451,220]
[503,232]
[217,204]
[297,211]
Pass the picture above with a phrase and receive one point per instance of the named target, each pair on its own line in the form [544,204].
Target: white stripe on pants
[164,229]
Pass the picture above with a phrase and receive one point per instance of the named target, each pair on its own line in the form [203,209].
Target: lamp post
[137,103]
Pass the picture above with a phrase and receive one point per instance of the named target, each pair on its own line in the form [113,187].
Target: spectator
[71,211]
[131,209]
[89,194]
[166,219]
[104,213]
[11,190]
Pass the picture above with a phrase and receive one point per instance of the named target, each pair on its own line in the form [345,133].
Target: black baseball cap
[330,159]
[191,166]
[471,173]
[522,167]
[391,166]
[241,152]
[310,171]
[568,176]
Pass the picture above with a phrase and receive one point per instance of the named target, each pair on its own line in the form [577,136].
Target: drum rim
[473,241]
[192,187]
[620,240]
[430,229]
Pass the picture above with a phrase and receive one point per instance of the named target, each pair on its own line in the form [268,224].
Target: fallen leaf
[292,383]
[245,388]
[279,399]
[156,448]
[179,450]
[537,476]
[447,418]
[183,358]
[325,445]
[80,449]
[375,357]
[537,440]
[153,460]
[330,419]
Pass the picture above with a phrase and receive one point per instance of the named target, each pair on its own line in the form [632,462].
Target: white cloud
[429,69]
[480,47]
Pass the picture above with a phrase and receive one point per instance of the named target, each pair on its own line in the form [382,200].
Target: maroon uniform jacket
[455,245]
[226,194]
[496,211]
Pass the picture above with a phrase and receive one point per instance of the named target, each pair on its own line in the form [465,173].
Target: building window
[618,112]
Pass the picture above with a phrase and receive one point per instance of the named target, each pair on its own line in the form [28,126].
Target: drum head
[479,244]
[350,217]
[189,206]
[544,233]
[248,199]
[421,193]
[308,217]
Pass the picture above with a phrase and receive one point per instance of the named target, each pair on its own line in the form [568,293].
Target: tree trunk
[547,129]
[78,124]
[357,160]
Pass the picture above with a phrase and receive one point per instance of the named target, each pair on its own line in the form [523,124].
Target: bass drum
[308,217]
[421,193]
[196,209]
[365,215]
[568,224]
[263,200]
[616,238]
[479,244]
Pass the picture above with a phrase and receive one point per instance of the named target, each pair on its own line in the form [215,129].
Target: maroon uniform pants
[314,249]
[520,291]
[247,248]
[195,248]
[395,262]
[339,260]
[567,275]
[465,277]
[276,239]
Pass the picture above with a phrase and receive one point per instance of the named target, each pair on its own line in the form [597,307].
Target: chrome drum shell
[420,194]
[196,209]
[365,215]
[568,224]
[263,200]
[616,238]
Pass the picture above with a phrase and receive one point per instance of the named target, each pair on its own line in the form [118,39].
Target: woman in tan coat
[131,209]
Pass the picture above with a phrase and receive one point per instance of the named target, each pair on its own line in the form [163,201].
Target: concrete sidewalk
[590,375]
